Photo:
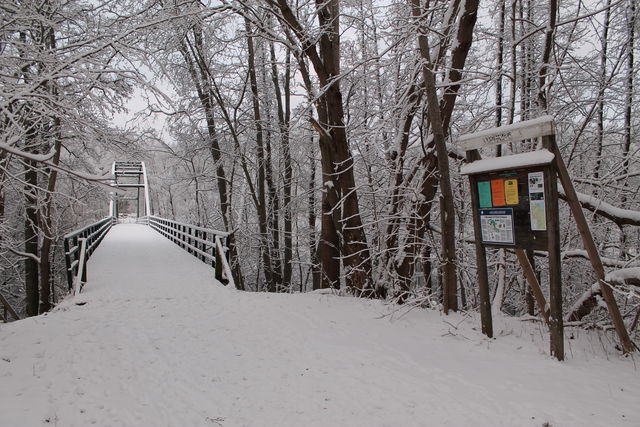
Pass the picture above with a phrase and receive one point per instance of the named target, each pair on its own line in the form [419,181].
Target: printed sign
[484,194]
[497,192]
[536,201]
[496,226]
[511,191]
[536,183]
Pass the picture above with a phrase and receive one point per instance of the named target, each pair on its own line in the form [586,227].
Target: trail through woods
[157,342]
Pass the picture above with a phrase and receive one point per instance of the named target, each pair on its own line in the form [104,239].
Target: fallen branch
[589,300]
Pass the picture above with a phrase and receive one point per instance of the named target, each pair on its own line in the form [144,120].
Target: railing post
[67,259]
[197,244]
[214,250]
[8,309]
[82,271]
[218,264]
[84,266]
[76,255]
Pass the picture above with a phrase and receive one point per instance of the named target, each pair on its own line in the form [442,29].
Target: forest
[323,135]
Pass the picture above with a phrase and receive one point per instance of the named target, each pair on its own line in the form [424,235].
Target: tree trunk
[194,58]
[46,221]
[546,56]
[284,114]
[499,71]
[449,287]
[272,276]
[514,65]
[340,191]
[602,84]
[628,116]
[462,45]
[31,228]
[317,282]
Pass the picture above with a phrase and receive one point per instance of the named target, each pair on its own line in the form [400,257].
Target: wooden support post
[481,257]
[532,280]
[590,246]
[556,326]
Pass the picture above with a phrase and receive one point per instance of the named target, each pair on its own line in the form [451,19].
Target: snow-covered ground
[156,342]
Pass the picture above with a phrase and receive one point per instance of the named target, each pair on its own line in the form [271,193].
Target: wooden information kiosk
[515,205]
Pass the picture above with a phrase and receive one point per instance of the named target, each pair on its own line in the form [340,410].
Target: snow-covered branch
[599,207]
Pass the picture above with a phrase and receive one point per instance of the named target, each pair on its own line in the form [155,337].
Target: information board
[512,208]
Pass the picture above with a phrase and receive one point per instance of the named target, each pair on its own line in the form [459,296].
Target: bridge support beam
[130,175]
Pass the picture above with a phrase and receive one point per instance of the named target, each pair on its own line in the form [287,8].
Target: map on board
[538,215]
[497,226]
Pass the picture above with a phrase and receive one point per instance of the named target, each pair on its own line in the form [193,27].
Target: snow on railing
[78,247]
[208,245]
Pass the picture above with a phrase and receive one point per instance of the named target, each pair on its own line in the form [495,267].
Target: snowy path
[159,343]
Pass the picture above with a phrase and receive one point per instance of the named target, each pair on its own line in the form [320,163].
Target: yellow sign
[511,191]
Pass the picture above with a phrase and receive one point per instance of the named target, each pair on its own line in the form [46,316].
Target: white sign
[537,209]
[542,126]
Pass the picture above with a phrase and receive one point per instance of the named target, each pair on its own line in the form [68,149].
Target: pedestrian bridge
[136,260]
[205,244]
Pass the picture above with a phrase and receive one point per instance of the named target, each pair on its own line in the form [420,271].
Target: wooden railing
[7,309]
[208,245]
[78,247]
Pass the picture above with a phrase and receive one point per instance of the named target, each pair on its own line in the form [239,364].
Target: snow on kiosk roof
[532,158]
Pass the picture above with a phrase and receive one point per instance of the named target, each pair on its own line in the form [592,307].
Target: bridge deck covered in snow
[154,340]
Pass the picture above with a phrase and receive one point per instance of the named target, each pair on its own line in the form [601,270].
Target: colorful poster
[497,192]
[511,191]
[496,226]
[484,194]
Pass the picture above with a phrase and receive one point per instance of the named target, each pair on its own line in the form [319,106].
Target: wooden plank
[590,246]
[556,325]
[516,132]
[481,257]
[532,280]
